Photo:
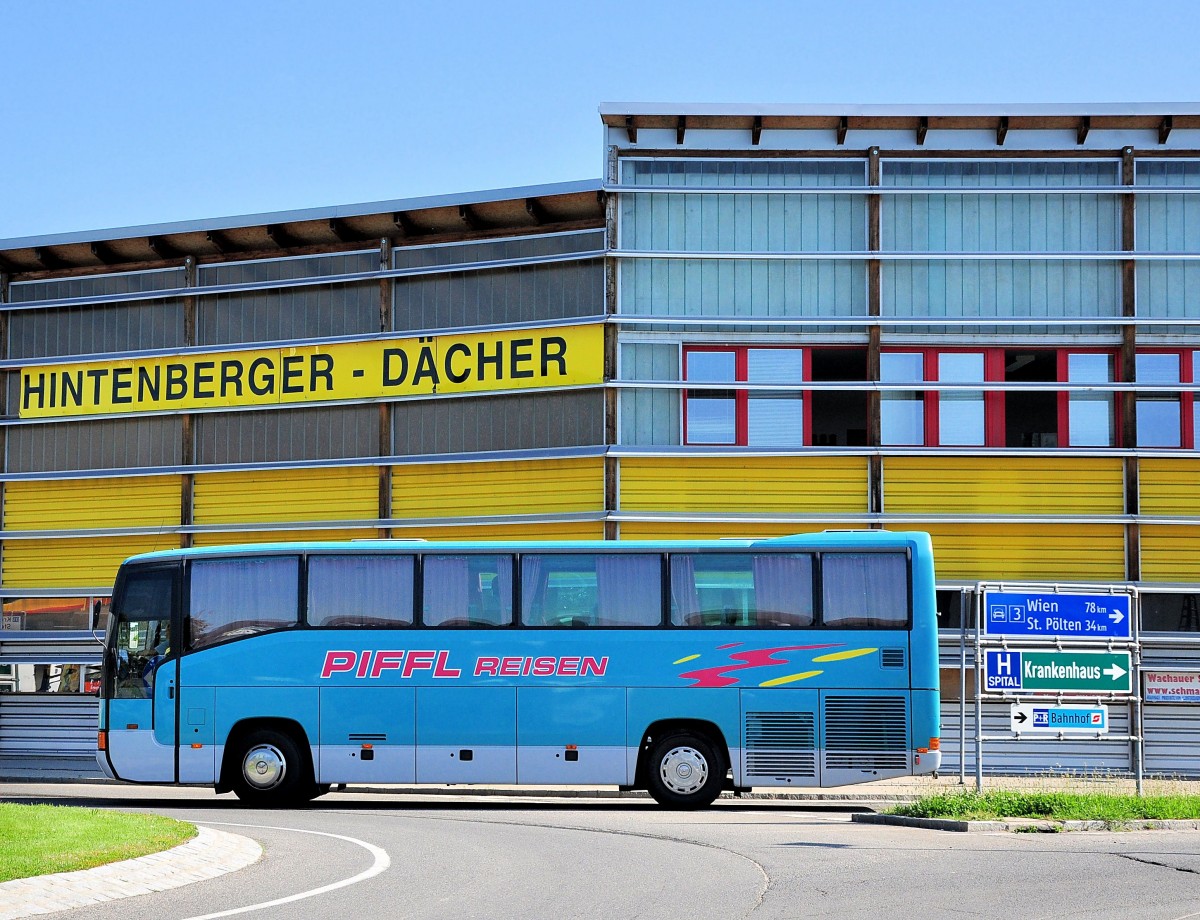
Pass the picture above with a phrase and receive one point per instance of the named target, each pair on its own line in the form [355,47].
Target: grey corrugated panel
[326,432]
[37,725]
[92,445]
[650,416]
[511,295]
[279,269]
[449,254]
[93,285]
[67,647]
[270,316]
[90,330]
[1172,743]
[727,173]
[1156,653]
[1033,754]
[510,422]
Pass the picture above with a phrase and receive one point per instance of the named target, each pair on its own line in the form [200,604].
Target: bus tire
[271,770]
[685,771]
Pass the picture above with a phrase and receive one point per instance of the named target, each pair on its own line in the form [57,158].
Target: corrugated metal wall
[79,504]
[280,496]
[452,490]
[282,435]
[82,562]
[1031,551]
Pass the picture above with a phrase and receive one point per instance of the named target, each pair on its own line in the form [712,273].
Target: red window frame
[1187,400]
[742,397]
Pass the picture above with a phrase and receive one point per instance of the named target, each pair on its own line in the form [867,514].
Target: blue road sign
[1074,616]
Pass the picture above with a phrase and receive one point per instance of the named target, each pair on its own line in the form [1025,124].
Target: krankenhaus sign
[453,363]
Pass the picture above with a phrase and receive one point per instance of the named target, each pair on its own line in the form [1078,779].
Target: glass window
[143,639]
[1090,415]
[591,589]
[466,590]
[711,414]
[1158,417]
[865,589]
[960,412]
[741,589]
[360,590]
[1170,612]
[902,412]
[47,613]
[775,419]
[234,598]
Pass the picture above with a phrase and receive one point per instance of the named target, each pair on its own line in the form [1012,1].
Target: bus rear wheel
[685,771]
[270,770]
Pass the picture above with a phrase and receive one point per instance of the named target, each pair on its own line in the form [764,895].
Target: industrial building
[978,321]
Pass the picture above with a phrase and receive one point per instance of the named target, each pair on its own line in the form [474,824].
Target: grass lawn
[40,839]
[966,805]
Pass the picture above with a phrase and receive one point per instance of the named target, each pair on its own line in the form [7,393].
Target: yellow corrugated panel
[1003,485]
[583,530]
[1169,485]
[1170,552]
[270,496]
[71,504]
[509,487]
[227,538]
[650,530]
[1041,552]
[744,484]
[74,563]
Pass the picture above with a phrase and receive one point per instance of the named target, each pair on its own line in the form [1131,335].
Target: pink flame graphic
[752,658]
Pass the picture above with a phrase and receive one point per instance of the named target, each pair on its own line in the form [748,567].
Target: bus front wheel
[270,770]
[685,771]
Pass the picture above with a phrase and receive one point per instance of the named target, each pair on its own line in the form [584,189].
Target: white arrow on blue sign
[1074,616]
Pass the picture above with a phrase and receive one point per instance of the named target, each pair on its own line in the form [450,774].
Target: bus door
[142,699]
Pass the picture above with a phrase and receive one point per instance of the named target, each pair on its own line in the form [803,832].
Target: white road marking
[381,863]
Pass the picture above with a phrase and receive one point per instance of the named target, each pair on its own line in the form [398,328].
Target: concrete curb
[849,800]
[1025,825]
[211,853]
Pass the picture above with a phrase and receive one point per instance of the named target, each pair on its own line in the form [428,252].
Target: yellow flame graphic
[842,656]
[688,658]
[779,681]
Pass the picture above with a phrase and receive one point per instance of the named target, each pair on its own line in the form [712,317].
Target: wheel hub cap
[684,770]
[264,767]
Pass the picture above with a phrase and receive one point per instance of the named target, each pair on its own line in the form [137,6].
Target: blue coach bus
[683,668]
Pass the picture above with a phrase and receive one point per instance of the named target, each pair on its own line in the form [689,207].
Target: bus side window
[865,590]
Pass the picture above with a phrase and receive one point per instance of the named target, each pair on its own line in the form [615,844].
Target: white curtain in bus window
[736,589]
[360,590]
[711,414]
[1090,415]
[233,598]
[467,590]
[902,411]
[960,412]
[775,419]
[1158,422]
[865,589]
[591,589]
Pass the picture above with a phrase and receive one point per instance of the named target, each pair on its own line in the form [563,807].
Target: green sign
[1057,672]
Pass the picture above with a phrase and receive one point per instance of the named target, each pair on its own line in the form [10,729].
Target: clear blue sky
[128,112]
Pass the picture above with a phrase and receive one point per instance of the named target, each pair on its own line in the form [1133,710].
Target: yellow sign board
[462,362]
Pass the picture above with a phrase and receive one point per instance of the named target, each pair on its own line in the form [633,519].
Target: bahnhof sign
[978,321]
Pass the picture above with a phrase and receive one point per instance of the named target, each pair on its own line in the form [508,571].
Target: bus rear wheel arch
[268,764]
[683,765]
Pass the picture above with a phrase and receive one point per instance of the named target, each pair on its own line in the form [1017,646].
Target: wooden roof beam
[680,128]
[1085,125]
[842,128]
[922,130]
[281,237]
[1001,131]
[343,231]
[756,131]
[468,216]
[220,241]
[164,250]
[104,253]
[49,259]
[534,209]
[630,129]
[405,224]
[1164,128]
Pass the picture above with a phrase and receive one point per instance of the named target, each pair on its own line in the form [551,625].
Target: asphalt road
[582,858]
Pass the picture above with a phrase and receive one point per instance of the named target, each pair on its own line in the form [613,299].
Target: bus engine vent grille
[866,733]
[892,658]
[781,744]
